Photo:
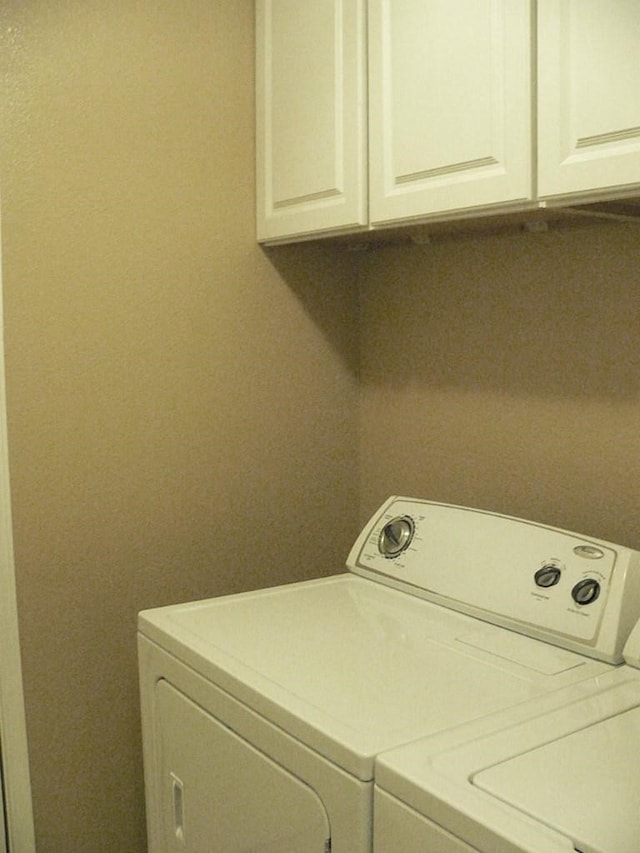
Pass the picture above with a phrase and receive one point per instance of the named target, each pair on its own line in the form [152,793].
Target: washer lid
[586,784]
[558,773]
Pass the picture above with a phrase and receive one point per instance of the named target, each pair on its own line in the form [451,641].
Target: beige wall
[182,405]
[504,373]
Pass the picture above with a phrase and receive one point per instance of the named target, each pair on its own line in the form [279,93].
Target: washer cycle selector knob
[586,591]
[396,536]
[547,576]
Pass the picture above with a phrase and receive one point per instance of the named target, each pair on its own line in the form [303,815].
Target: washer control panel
[549,583]
[585,588]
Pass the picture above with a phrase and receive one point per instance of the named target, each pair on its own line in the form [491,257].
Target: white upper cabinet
[311,116]
[451,96]
[588,96]
[449,106]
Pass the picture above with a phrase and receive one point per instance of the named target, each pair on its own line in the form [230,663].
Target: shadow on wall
[554,315]
[328,295]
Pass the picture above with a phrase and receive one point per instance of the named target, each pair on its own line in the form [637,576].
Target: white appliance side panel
[221,794]
[585,785]
[399,828]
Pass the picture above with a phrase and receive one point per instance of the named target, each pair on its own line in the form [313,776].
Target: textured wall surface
[504,373]
[181,404]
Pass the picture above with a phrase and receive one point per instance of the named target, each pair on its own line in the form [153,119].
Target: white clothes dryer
[263,712]
[557,775]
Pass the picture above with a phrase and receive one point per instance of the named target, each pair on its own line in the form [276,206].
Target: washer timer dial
[395,536]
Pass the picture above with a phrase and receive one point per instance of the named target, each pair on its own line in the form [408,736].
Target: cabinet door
[311,116]
[450,105]
[588,95]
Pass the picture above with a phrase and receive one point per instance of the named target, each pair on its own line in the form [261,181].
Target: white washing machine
[559,774]
[263,712]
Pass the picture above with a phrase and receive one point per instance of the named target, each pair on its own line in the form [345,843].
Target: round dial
[396,535]
[547,576]
[586,591]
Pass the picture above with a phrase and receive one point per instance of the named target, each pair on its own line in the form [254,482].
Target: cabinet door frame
[498,170]
[296,193]
[573,160]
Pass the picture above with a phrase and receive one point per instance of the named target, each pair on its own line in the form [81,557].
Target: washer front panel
[220,793]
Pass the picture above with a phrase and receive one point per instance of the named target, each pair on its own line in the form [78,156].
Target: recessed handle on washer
[177,789]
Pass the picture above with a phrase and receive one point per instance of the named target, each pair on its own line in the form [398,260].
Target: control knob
[586,591]
[548,575]
[396,536]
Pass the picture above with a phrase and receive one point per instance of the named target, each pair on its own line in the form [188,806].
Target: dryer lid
[354,668]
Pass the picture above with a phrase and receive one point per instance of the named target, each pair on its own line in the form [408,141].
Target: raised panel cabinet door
[450,105]
[588,96]
[311,116]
